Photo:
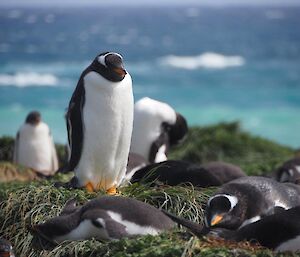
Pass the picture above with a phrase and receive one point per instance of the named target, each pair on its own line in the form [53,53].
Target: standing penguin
[157,127]
[34,147]
[99,122]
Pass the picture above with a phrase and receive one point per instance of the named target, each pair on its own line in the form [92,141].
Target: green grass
[26,203]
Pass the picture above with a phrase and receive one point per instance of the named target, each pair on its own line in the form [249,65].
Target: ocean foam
[28,79]
[208,60]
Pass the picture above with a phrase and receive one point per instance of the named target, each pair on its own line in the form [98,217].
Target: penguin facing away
[34,146]
[104,218]
[99,123]
[156,127]
[279,231]
[174,172]
[248,199]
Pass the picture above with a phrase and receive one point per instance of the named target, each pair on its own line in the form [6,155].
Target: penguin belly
[35,149]
[107,127]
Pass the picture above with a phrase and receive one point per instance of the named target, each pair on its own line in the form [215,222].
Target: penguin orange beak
[121,72]
[215,220]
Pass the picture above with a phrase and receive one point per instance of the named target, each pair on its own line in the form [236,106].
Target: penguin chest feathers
[107,118]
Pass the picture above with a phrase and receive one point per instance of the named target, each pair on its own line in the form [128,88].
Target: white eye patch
[101,58]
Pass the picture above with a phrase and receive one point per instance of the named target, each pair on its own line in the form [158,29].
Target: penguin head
[33,118]
[221,211]
[110,66]
[6,249]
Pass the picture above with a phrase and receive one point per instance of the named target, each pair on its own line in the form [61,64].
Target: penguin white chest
[107,118]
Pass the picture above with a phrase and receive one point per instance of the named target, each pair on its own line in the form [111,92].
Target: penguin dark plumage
[289,171]
[279,231]
[104,218]
[173,172]
[248,199]
[6,249]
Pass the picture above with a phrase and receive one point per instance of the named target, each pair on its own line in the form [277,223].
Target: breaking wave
[208,60]
[28,79]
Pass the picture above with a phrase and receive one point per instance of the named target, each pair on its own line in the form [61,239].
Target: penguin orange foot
[112,191]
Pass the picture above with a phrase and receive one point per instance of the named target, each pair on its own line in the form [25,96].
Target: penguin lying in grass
[104,218]
[289,171]
[99,123]
[177,172]
[248,199]
[279,231]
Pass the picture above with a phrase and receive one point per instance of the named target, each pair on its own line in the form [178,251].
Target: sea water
[210,64]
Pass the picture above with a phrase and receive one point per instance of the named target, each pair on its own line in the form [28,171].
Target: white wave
[28,79]
[208,60]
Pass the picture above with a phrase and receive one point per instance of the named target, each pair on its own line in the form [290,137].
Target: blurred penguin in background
[156,128]
[34,146]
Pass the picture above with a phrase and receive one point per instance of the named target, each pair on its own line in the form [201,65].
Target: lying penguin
[177,172]
[279,231]
[248,199]
[289,171]
[104,218]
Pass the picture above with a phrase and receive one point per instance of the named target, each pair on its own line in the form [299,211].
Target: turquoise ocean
[210,64]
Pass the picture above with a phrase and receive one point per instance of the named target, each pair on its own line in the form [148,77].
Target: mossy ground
[26,203]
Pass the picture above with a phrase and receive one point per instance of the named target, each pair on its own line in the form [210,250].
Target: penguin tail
[196,228]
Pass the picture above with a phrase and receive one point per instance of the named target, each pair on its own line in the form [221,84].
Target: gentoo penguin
[156,128]
[34,147]
[279,231]
[289,171]
[99,122]
[173,172]
[104,218]
[248,199]
[6,249]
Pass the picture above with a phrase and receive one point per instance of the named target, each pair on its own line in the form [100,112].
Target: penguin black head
[289,171]
[6,249]
[33,118]
[220,211]
[179,130]
[110,66]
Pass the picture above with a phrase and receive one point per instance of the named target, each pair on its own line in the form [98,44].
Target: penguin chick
[104,218]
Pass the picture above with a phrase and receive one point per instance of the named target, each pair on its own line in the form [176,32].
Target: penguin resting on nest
[248,199]
[34,146]
[279,231]
[99,122]
[173,172]
[104,218]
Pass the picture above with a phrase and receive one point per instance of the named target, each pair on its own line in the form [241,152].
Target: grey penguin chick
[104,218]
[248,199]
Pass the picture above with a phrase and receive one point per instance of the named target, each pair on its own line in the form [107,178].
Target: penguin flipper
[74,123]
[194,227]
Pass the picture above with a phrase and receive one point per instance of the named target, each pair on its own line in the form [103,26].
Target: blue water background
[263,91]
